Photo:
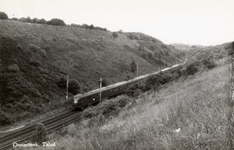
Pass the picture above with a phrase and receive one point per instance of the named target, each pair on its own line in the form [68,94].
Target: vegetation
[56,22]
[3,15]
[39,134]
[73,86]
[34,57]
[115,35]
[175,117]
[133,66]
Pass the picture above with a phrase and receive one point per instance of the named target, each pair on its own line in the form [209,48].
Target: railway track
[24,135]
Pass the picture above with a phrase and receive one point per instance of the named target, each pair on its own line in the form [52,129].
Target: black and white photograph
[117,74]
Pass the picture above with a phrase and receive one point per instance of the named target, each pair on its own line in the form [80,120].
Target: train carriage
[92,97]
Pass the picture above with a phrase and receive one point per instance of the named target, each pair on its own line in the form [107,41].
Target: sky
[193,22]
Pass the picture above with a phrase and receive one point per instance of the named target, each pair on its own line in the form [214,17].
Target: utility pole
[100,90]
[137,70]
[67,92]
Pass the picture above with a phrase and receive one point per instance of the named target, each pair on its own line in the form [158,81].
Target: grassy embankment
[196,106]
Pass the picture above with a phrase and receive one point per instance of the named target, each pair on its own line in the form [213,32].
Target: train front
[76,100]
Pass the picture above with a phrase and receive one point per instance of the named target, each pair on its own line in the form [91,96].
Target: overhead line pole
[67,91]
[100,98]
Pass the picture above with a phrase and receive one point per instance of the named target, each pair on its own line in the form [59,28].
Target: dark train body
[92,97]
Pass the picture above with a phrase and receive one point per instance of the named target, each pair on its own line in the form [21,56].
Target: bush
[13,68]
[47,47]
[3,16]
[165,78]
[231,50]
[15,19]
[19,47]
[56,22]
[135,89]
[193,68]
[73,86]
[115,35]
[34,48]
[152,82]
[150,55]
[39,135]
[133,66]
[41,21]
[105,83]
[28,19]
[4,119]
[61,82]
[91,27]
[144,55]
[208,63]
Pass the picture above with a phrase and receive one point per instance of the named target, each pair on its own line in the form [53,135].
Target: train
[80,101]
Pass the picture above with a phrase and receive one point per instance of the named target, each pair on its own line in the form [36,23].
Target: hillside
[215,52]
[34,57]
[180,46]
[190,113]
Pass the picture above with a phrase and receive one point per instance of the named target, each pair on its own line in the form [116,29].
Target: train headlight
[75,101]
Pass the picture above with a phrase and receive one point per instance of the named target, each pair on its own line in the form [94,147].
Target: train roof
[121,83]
[100,89]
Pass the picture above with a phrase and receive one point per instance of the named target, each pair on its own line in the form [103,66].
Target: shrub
[152,48]
[73,86]
[133,66]
[144,55]
[150,55]
[105,83]
[61,82]
[13,68]
[75,25]
[28,19]
[140,48]
[22,19]
[152,81]
[135,89]
[56,22]
[19,47]
[47,47]
[208,63]
[193,68]
[15,19]
[85,26]
[43,52]
[35,20]
[115,35]
[3,16]
[4,119]
[91,27]
[39,135]
[231,50]
[41,21]
[34,48]
[165,78]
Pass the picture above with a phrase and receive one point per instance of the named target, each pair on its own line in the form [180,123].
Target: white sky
[202,22]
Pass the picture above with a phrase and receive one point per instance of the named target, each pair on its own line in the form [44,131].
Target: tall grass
[231,105]
[190,114]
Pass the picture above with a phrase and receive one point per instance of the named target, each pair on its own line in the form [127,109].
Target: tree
[133,66]
[56,22]
[3,15]
[73,86]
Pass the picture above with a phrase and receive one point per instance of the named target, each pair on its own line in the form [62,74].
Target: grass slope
[33,57]
[187,114]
